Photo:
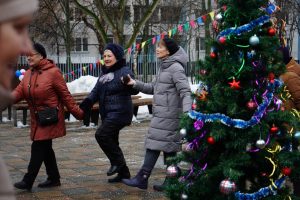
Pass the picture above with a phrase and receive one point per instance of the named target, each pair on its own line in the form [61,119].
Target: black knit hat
[40,49]
[116,49]
[171,45]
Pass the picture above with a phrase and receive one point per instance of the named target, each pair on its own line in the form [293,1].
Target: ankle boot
[22,185]
[161,187]
[49,183]
[124,173]
[139,181]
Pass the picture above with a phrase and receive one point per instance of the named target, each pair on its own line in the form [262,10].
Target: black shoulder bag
[47,116]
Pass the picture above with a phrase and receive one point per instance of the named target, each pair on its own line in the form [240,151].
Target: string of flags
[178,29]
[83,69]
[200,21]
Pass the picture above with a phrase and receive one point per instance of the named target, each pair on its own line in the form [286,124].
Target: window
[155,16]
[81,44]
[138,13]
[200,44]
[75,14]
[127,14]
[170,14]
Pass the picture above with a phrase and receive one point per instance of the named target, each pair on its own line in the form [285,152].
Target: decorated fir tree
[240,142]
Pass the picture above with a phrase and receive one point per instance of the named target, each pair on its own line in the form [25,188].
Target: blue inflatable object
[18,73]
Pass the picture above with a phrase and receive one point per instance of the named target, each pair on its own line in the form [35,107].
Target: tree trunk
[207,28]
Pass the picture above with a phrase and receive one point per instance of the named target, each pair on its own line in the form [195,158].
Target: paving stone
[82,164]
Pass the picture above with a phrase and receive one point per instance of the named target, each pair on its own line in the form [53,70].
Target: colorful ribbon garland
[246,27]
[239,123]
[263,192]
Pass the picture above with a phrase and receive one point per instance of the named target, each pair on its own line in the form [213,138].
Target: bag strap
[32,101]
[29,93]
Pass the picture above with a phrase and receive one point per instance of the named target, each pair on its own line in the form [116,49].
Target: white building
[85,49]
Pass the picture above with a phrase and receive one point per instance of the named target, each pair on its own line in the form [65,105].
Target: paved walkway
[81,162]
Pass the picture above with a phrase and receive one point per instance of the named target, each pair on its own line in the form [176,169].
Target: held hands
[127,80]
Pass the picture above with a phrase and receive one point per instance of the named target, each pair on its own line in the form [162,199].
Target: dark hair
[40,49]
[170,44]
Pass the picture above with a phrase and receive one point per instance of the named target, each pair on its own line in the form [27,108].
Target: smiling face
[162,51]
[34,59]
[109,58]
[13,41]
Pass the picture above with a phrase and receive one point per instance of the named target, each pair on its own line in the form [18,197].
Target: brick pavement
[81,163]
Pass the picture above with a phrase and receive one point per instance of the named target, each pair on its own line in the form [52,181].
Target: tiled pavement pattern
[81,163]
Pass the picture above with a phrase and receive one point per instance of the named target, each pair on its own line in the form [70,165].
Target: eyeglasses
[32,54]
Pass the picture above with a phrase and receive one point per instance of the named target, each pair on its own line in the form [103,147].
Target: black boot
[49,183]
[123,174]
[139,181]
[22,185]
[114,169]
[161,187]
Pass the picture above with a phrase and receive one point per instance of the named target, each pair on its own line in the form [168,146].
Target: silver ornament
[254,40]
[227,187]
[260,144]
[172,171]
[183,132]
[219,17]
[184,165]
[184,196]
[297,135]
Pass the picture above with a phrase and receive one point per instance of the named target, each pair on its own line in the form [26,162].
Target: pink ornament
[194,106]
[198,125]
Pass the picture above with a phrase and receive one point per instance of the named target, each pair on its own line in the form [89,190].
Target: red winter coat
[48,89]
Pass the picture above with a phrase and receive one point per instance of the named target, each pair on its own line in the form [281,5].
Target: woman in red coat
[44,87]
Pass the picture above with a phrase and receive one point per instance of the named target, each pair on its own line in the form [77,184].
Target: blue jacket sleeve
[94,95]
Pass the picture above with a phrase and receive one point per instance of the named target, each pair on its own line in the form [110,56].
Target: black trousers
[151,157]
[41,151]
[107,137]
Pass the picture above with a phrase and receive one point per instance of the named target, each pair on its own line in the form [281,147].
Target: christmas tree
[239,140]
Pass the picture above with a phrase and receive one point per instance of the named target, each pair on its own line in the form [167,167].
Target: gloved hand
[86,105]
[127,80]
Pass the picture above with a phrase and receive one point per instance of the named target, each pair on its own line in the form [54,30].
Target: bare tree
[289,13]
[105,17]
[56,24]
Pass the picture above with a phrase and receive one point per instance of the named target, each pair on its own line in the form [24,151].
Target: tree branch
[142,22]
[98,25]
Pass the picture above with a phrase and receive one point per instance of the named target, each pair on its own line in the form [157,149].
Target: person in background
[15,16]
[116,108]
[172,97]
[291,79]
[47,114]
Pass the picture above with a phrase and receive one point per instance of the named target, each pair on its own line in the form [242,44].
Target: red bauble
[211,140]
[271,77]
[235,84]
[274,129]
[222,40]
[286,171]
[271,32]
[213,55]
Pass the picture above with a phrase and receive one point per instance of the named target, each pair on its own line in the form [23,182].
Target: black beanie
[116,49]
[171,45]
[40,49]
